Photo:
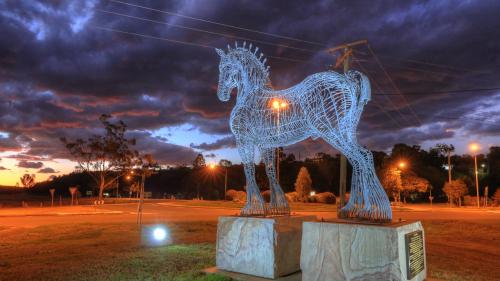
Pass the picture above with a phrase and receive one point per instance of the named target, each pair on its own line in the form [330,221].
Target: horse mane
[260,61]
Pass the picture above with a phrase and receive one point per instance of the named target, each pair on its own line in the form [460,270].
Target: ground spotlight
[155,235]
[159,234]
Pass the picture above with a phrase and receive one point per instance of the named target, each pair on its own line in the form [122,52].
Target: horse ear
[220,52]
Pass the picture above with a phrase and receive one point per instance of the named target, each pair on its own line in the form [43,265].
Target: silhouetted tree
[199,162]
[27,180]
[446,149]
[225,163]
[412,183]
[104,157]
[493,167]
[303,184]
[390,178]
[455,190]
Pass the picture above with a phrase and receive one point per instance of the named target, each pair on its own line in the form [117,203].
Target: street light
[474,148]
[397,170]
[277,105]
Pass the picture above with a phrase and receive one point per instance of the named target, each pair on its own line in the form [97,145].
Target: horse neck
[252,80]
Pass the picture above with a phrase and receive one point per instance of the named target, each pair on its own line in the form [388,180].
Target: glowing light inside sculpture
[324,105]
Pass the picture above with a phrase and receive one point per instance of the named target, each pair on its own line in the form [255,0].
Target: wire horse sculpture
[325,104]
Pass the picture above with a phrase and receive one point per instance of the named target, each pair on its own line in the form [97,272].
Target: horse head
[227,76]
[240,68]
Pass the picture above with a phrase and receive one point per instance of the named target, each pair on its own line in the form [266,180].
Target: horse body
[326,105]
[257,120]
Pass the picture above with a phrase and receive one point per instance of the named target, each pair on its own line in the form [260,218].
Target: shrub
[470,200]
[266,195]
[455,190]
[292,196]
[241,197]
[496,197]
[326,198]
[231,194]
[312,199]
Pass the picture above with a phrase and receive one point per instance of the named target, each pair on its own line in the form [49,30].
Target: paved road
[170,212]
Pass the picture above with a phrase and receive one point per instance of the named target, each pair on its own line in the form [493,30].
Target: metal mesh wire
[324,105]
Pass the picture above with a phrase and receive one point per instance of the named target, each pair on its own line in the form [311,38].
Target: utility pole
[225,184]
[343,160]
[345,60]
[477,181]
[449,165]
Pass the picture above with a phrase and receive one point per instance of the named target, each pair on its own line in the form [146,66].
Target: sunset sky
[64,63]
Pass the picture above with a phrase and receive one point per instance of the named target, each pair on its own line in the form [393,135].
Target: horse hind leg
[368,199]
[255,203]
[278,204]
[375,205]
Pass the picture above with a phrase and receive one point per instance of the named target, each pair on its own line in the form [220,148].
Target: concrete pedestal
[264,247]
[343,250]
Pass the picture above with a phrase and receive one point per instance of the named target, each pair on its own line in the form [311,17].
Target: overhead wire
[319,44]
[374,82]
[463,91]
[220,24]
[184,42]
[394,84]
[206,31]
[378,62]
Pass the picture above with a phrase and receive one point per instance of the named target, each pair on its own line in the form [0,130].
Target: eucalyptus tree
[446,149]
[104,157]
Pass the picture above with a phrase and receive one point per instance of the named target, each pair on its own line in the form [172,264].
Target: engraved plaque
[415,262]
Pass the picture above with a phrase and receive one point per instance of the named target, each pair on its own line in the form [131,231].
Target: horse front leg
[255,203]
[279,204]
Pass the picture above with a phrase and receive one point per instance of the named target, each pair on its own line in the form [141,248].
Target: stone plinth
[265,247]
[343,250]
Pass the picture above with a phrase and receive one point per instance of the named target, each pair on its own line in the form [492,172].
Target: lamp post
[278,105]
[474,147]
[399,170]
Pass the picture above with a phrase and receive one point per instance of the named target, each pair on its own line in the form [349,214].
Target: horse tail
[363,84]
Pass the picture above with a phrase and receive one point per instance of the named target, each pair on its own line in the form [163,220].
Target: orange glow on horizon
[11,174]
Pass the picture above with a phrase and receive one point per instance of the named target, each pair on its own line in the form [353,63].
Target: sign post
[72,190]
[52,191]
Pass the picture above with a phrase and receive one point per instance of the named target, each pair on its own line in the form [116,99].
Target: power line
[429,63]
[380,89]
[184,42]
[272,34]
[393,84]
[464,91]
[154,37]
[387,113]
[221,24]
[237,37]
[413,61]
[470,118]
[206,31]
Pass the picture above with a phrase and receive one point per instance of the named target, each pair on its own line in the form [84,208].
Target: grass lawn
[456,250]
[105,252]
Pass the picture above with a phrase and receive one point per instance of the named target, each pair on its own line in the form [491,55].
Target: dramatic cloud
[47,170]
[29,165]
[221,143]
[59,71]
